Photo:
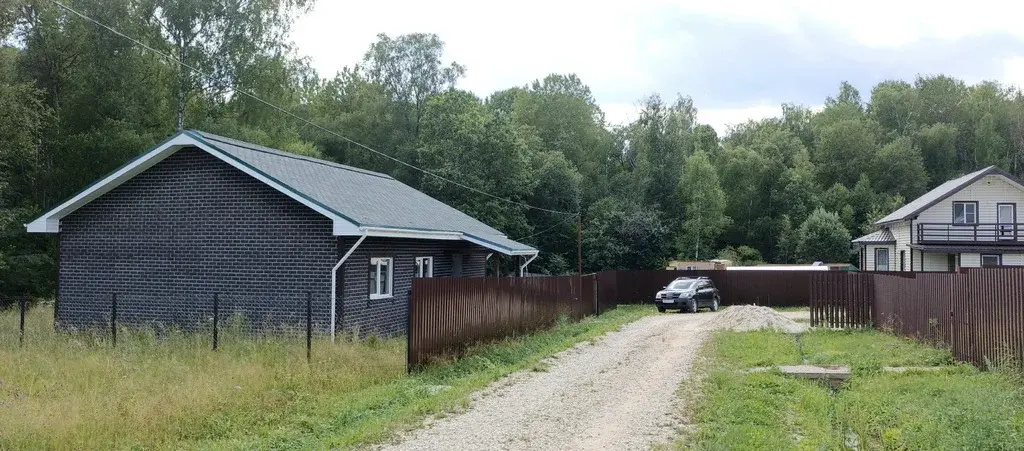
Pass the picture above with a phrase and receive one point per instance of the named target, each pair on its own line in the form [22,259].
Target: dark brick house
[202,214]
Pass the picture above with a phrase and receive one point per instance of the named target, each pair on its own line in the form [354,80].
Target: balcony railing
[989,234]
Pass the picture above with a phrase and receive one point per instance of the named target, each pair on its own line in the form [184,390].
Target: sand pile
[751,317]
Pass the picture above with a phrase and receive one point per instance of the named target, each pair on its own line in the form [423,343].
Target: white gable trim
[50,221]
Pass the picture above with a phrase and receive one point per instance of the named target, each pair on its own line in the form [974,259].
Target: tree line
[77,101]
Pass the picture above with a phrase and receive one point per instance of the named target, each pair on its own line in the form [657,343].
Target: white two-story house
[970,222]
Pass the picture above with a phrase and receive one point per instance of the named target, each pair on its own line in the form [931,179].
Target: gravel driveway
[616,394]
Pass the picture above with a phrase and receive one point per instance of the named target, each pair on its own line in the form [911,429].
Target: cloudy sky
[738,59]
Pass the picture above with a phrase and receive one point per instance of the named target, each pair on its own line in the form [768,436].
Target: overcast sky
[738,59]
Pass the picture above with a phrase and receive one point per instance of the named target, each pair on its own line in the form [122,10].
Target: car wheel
[714,305]
[693,306]
[661,309]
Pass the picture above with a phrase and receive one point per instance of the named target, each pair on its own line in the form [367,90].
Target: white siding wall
[970,260]
[893,258]
[1013,259]
[901,232]
[933,262]
[988,191]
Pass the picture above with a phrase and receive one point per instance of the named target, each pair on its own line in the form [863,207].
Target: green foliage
[703,203]
[823,237]
[622,235]
[900,169]
[741,256]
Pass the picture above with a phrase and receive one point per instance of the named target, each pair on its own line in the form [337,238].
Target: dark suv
[688,294]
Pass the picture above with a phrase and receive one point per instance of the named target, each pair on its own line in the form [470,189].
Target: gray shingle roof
[359,202]
[882,235]
[941,192]
[369,199]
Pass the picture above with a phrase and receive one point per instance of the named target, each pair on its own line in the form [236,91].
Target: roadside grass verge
[956,407]
[73,391]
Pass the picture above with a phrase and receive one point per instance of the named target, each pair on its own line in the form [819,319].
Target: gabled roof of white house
[943,191]
[359,202]
[880,236]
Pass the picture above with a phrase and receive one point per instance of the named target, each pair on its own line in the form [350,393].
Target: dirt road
[617,394]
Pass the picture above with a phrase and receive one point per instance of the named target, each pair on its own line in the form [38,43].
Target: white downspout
[522,269]
[334,282]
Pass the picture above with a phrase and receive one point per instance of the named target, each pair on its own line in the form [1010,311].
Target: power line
[560,224]
[302,119]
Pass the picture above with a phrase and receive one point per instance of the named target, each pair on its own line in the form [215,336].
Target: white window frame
[973,214]
[429,261]
[375,265]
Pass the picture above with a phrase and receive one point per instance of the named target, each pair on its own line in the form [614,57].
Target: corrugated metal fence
[769,288]
[979,313]
[448,314]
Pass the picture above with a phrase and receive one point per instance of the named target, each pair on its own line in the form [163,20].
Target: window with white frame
[424,266]
[965,212]
[381,277]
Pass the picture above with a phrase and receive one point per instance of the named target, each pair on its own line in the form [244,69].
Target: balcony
[988,234]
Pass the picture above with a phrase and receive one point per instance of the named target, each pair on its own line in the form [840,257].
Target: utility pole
[579,244]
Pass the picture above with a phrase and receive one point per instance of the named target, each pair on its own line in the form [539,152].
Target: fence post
[216,316]
[113,318]
[21,323]
[409,332]
[309,326]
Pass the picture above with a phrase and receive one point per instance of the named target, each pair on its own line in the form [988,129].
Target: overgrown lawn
[74,391]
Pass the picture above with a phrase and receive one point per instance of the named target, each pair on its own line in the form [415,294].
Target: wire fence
[108,325]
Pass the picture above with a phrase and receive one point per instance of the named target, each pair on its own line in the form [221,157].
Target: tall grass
[171,391]
[73,390]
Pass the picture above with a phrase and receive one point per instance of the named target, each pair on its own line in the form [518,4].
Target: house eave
[392,232]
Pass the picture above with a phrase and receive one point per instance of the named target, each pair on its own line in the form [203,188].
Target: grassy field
[63,391]
[955,408]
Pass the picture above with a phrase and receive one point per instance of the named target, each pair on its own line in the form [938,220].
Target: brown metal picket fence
[768,288]
[446,315]
[978,313]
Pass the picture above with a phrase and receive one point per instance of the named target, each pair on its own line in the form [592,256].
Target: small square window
[424,266]
[381,276]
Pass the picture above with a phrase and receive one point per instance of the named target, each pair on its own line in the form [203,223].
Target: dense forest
[77,101]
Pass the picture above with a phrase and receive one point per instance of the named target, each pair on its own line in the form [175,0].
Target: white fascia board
[50,221]
[503,250]
[387,232]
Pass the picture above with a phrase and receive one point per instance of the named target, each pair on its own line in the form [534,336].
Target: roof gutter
[334,283]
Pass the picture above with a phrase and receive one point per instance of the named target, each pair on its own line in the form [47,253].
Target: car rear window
[682,285]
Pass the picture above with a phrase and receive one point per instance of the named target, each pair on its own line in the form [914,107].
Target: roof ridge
[277,152]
